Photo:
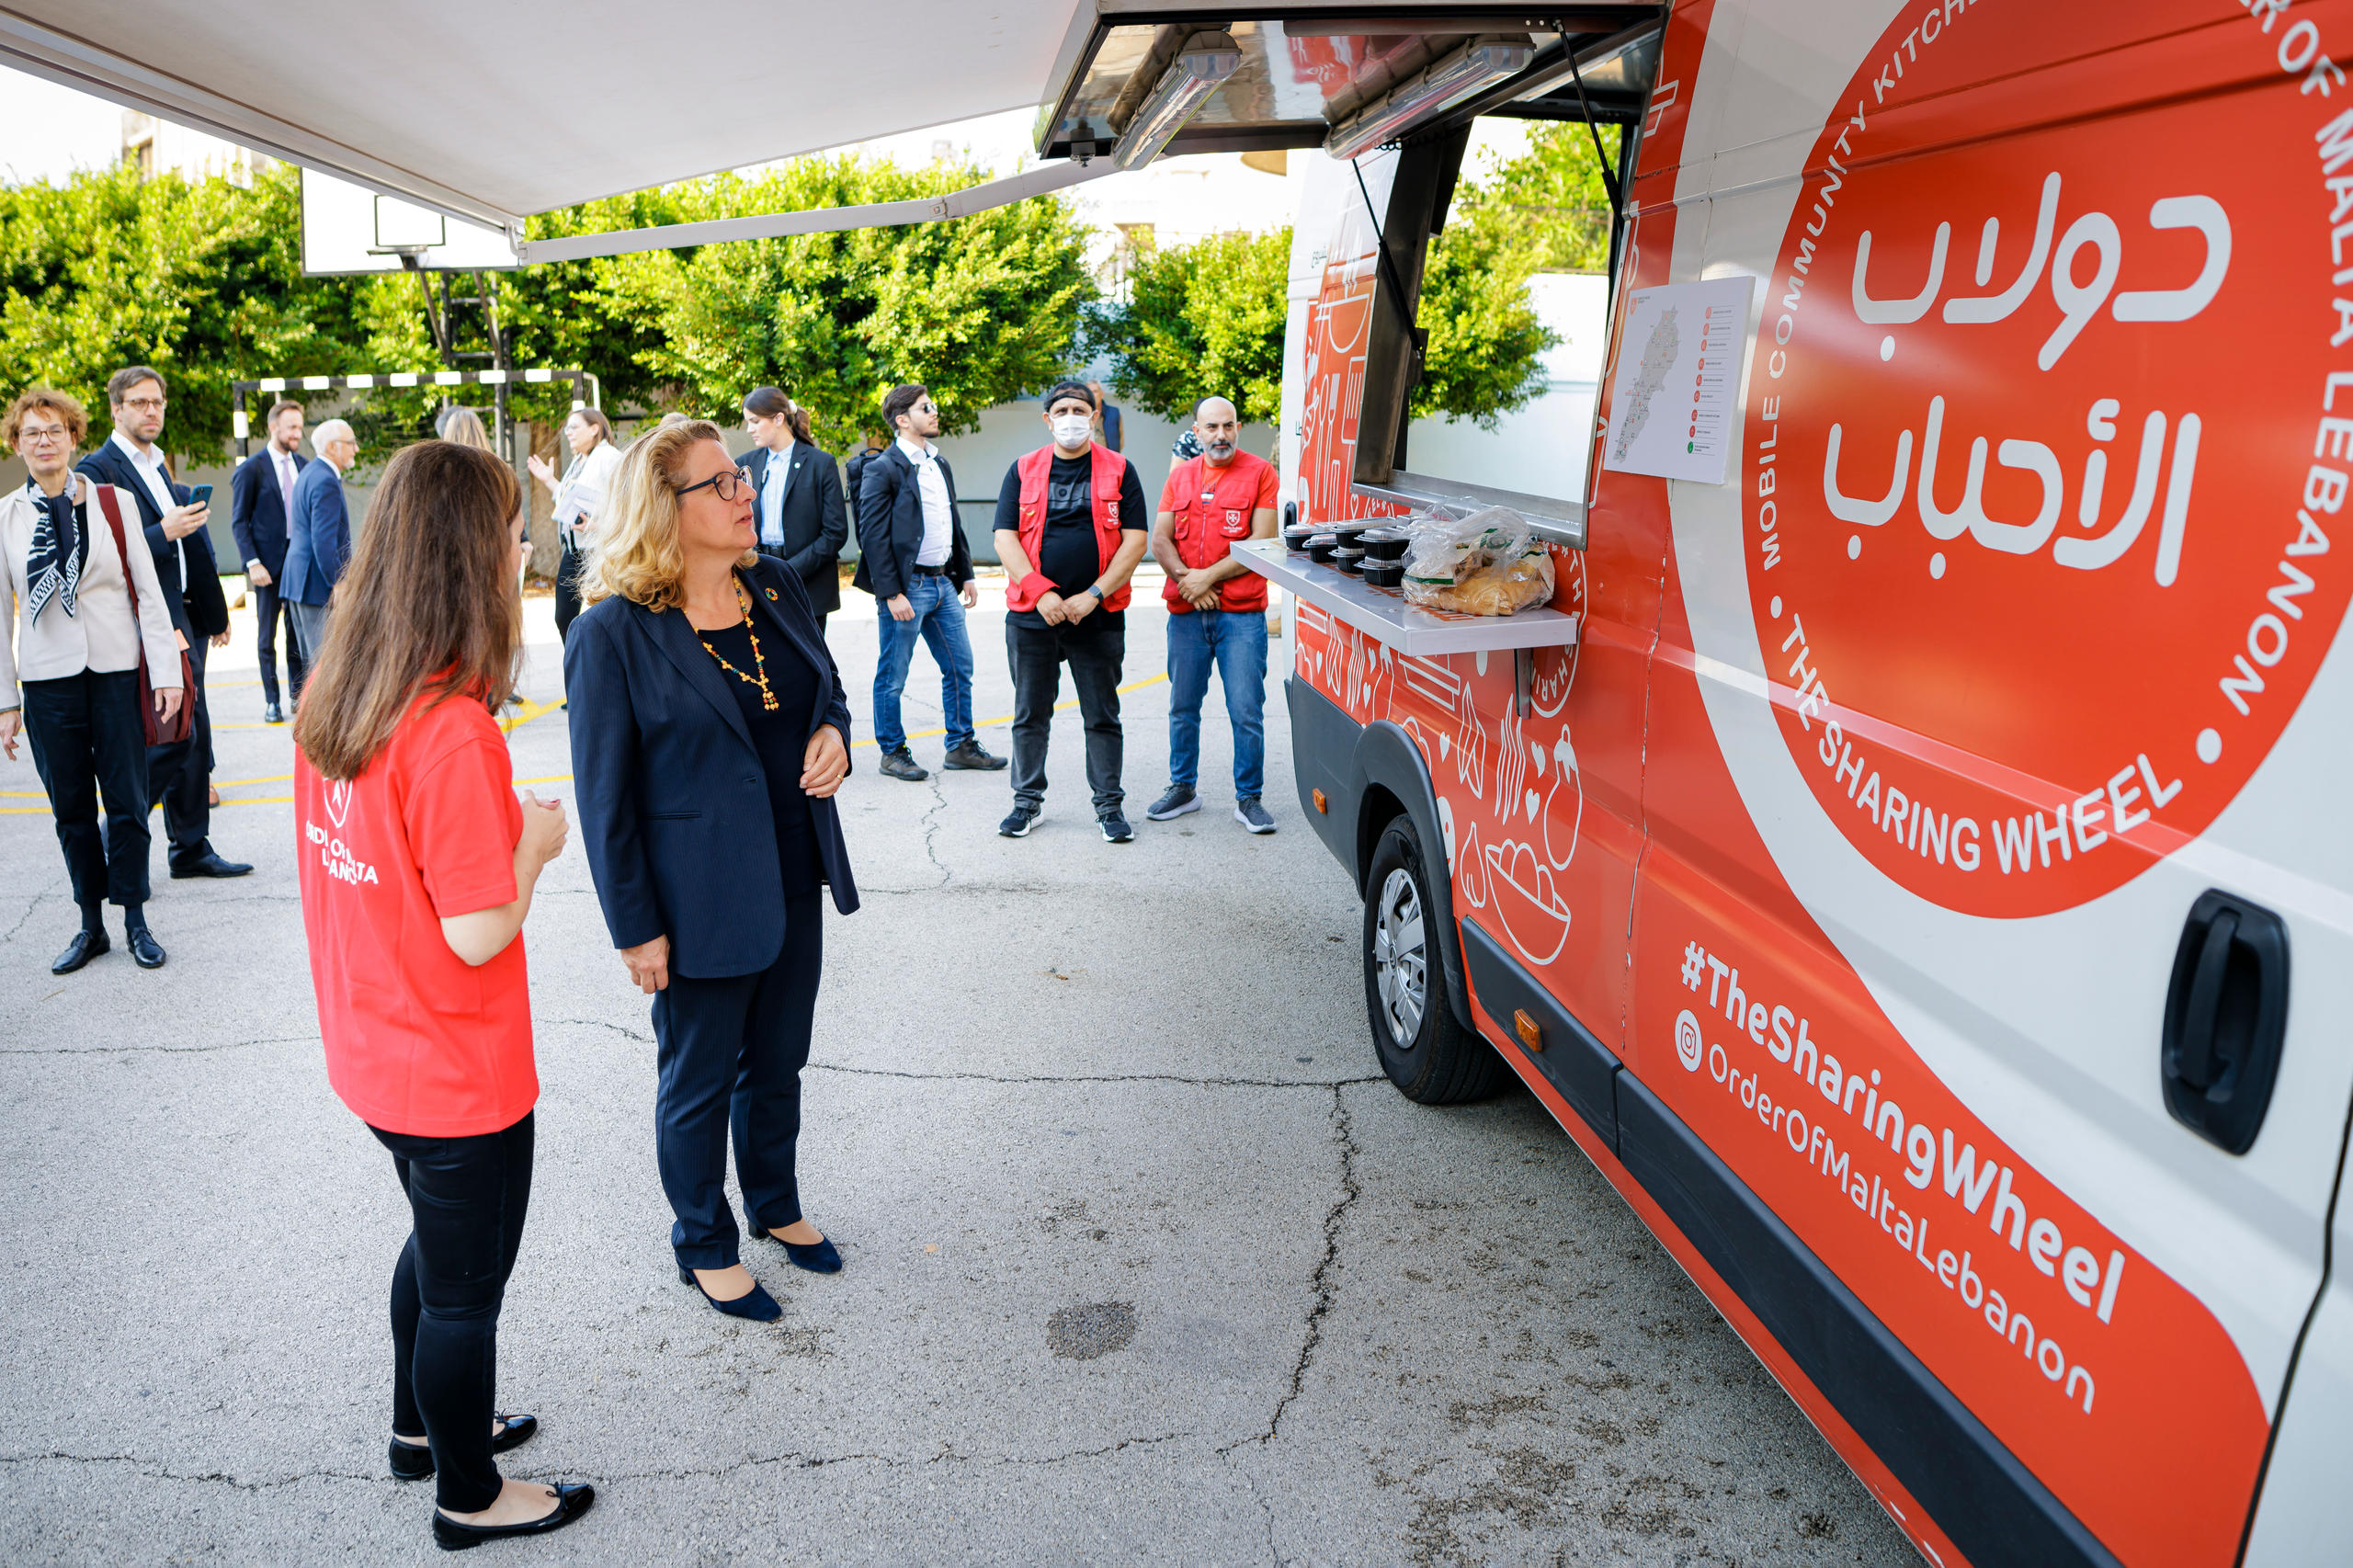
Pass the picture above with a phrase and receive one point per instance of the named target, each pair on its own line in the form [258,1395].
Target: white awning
[492,110]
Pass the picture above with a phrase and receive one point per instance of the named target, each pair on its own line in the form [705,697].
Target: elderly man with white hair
[318,537]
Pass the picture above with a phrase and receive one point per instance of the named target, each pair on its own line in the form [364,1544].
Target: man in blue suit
[262,497]
[179,774]
[318,537]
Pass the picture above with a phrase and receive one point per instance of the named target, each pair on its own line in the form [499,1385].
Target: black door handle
[2226,1019]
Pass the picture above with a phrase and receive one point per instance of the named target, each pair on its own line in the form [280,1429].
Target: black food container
[1295,536]
[1320,547]
[1348,558]
[1383,573]
[1381,544]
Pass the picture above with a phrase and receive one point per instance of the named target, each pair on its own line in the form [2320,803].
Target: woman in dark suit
[797,489]
[709,734]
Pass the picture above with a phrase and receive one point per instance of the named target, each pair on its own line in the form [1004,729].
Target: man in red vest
[1070,529]
[1217,610]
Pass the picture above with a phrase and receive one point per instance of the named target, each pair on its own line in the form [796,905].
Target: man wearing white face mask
[1071,527]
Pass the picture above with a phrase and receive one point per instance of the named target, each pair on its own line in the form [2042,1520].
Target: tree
[979,309]
[1202,319]
[198,278]
[1553,192]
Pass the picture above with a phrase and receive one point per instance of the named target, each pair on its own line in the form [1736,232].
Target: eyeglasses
[144,404]
[729,485]
[27,435]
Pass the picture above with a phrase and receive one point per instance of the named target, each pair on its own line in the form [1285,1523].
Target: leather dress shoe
[146,951]
[572,1500]
[86,946]
[755,1303]
[819,1257]
[412,1462]
[210,865]
[273,714]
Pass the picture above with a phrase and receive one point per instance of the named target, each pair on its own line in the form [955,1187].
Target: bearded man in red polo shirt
[1217,610]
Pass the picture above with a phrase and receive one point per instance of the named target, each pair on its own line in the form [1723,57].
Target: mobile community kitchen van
[1909,855]
[1913,861]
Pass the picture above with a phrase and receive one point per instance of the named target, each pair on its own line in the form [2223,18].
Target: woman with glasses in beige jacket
[71,645]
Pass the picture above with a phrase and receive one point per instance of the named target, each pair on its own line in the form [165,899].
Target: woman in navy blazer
[709,734]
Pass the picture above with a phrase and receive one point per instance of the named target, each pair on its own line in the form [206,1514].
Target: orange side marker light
[1321,804]
[1531,1033]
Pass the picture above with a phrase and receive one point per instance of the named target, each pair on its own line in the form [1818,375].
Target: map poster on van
[1675,400]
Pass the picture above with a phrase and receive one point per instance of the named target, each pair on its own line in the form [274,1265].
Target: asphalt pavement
[1145,1262]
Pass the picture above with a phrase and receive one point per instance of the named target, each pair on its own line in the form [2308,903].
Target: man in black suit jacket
[178,774]
[260,491]
[800,518]
[912,557]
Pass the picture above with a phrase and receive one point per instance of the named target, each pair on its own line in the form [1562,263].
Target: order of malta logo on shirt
[334,856]
[2047,445]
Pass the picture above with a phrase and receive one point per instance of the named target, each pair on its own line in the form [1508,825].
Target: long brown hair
[770,402]
[427,606]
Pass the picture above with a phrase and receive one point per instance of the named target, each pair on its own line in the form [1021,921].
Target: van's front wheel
[1430,1056]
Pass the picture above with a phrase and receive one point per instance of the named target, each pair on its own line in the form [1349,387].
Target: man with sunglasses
[916,561]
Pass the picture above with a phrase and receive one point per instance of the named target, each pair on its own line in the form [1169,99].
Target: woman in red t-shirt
[418,865]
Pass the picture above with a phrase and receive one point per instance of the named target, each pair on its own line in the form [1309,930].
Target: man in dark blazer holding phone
[261,498]
[796,509]
[179,774]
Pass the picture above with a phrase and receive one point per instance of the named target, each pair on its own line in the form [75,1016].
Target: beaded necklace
[759,660]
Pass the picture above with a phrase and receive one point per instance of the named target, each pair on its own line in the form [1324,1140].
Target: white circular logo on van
[1687,1046]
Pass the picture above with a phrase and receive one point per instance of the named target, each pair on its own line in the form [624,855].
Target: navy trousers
[729,1053]
[180,776]
[267,610]
[88,744]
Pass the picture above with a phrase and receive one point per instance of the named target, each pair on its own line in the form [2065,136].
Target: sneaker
[970,755]
[1179,800]
[1116,829]
[901,764]
[1023,819]
[1252,815]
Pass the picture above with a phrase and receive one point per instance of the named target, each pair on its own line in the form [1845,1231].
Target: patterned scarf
[60,549]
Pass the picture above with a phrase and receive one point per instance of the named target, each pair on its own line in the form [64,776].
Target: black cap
[1068,388]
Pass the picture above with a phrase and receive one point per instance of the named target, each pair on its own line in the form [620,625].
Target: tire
[1431,1058]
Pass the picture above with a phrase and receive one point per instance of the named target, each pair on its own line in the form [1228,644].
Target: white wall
[1541,449]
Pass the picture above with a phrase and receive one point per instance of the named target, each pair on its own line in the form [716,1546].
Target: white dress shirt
[772,497]
[938,517]
[282,467]
[152,475]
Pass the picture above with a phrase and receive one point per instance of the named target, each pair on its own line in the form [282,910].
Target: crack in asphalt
[155,1050]
[1217,1083]
[931,829]
[1320,1282]
[157,1470]
[31,904]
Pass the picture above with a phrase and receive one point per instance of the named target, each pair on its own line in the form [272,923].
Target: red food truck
[1886,856]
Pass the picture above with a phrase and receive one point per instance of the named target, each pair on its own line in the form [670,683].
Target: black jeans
[729,1054]
[267,609]
[179,775]
[88,744]
[1095,649]
[567,591]
[467,1198]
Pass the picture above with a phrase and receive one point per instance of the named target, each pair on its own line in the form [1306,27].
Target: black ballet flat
[571,1501]
[413,1462]
[819,1257]
[755,1305]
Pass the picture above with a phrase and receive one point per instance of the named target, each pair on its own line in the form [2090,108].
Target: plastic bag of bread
[1490,563]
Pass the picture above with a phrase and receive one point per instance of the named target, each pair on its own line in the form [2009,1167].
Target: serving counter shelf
[1383,612]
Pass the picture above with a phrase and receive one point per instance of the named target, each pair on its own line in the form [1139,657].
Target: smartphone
[201,496]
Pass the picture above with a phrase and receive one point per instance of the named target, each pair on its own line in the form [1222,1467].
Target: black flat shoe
[146,951]
[571,1501]
[819,1257]
[211,864]
[86,946]
[413,1461]
[756,1305]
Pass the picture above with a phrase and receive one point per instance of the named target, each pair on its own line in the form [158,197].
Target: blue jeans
[1236,641]
[939,623]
